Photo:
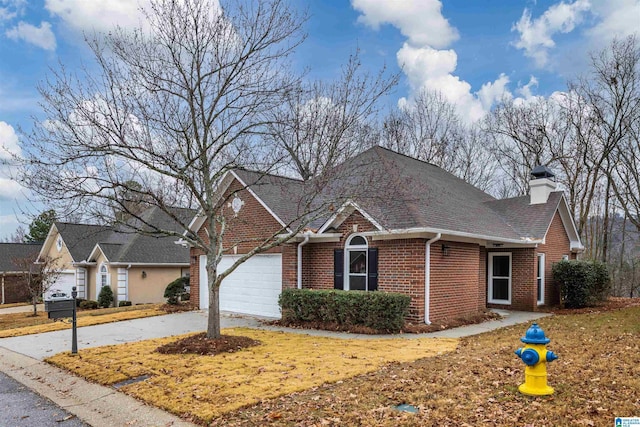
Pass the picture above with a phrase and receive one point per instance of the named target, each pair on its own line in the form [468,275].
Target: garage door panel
[253,288]
[64,282]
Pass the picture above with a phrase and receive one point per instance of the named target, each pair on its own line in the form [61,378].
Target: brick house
[453,248]
[12,288]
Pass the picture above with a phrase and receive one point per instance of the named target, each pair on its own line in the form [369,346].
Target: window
[356,267]
[499,278]
[104,277]
[357,263]
[540,279]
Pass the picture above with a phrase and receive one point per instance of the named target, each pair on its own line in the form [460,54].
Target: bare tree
[321,124]
[175,107]
[38,277]
[17,236]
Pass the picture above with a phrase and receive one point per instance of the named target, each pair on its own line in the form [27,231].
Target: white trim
[264,205]
[427,277]
[343,211]
[569,225]
[540,276]
[299,271]
[123,285]
[490,277]
[95,248]
[99,275]
[347,261]
[427,231]
[81,282]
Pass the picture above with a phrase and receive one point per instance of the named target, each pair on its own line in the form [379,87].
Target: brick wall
[556,245]
[482,278]
[455,288]
[249,228]
[14,290]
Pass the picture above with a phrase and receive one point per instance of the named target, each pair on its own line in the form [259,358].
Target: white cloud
[492,92]
[41,36]
[10,9]
[618,18]
[536,36]
[424,58]
[525,90]
[10,189]
[421,21]
[99,15]
[8,141]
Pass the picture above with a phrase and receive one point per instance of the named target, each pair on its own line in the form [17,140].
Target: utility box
[59,309]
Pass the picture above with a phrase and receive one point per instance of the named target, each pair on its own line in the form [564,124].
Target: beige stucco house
[136,266]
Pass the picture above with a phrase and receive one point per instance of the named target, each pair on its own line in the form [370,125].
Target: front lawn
[204,387]
[18,324]
[597,378]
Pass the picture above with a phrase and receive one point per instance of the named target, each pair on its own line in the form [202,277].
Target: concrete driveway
[41,346]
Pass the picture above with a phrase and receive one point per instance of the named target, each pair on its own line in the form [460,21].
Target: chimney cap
[542,172]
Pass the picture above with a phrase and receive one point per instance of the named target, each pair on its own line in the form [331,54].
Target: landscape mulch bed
[200,344]
[408,328]
[177,308]
[612,303]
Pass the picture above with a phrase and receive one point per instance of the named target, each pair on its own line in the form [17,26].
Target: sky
[474,52]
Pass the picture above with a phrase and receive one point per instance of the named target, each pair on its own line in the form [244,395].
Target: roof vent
[541,185]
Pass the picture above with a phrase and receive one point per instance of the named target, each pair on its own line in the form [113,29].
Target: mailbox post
[74,336]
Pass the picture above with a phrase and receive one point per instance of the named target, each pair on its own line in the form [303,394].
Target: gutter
[427,276]
[307,235]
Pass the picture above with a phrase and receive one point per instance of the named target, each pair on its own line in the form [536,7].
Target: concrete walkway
[21,359]
[21,309]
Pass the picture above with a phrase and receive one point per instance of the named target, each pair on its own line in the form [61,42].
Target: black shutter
[372,270]
[338,269]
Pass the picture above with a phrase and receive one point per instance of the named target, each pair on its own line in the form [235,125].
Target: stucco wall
[150,289]
[63,259]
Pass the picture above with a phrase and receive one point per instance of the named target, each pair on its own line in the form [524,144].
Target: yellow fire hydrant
[535,355]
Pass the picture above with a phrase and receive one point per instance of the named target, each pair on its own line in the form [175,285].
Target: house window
[540,279]
[356,252]
[356,267]
[499,278]
[104,277]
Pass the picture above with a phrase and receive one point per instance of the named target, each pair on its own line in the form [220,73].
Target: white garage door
[253,288]
[66,280]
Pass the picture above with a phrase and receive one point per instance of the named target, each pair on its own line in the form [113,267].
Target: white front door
[253,288]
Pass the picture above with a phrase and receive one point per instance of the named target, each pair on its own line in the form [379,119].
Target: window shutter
[372,269]
[338,269]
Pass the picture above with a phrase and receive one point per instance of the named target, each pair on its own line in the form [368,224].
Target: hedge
[377,310]
[582,283]
[175,289]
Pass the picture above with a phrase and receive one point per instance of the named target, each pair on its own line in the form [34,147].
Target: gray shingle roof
[403,192]
[11,251]
[123,245]
[80,239]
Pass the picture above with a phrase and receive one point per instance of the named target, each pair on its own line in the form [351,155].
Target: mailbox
[59,309]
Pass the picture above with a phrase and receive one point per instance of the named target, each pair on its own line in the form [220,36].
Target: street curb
[94,404]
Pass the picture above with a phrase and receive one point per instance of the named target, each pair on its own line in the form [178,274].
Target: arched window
[104,276]
[356,262]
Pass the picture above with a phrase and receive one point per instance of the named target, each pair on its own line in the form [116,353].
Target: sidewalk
[21,358]
[21,309]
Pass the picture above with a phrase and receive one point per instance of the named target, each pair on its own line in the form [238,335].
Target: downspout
[300,245]
[427,276]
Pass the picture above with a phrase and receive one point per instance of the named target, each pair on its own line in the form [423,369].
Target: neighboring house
[12,289]
[453,248]
[137,267]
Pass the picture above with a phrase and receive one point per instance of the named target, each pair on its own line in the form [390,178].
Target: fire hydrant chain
[536,356]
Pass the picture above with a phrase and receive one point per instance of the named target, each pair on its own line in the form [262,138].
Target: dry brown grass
[204,387]
[18,324]
[596,379]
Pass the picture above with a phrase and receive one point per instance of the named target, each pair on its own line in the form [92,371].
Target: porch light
[445,250]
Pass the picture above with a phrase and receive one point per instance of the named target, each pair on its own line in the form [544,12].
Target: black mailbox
[59,309]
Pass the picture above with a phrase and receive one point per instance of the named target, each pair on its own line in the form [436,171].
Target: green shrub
[582,283]
[175,289]
[105,298]
[185,296]
[124,303]
[377,310]
[79,301]
[89,305]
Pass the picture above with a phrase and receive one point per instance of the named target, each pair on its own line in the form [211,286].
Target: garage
[253,288]
[65,281]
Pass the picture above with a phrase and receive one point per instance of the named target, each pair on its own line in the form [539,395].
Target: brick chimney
[542,183]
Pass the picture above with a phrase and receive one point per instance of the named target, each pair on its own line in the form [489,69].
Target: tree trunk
[213,322]
[34,300]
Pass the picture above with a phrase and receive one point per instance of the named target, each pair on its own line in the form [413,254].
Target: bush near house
[105,298]
[175,290]
[124,303]
[88,305]
[381,311]
[582,283]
